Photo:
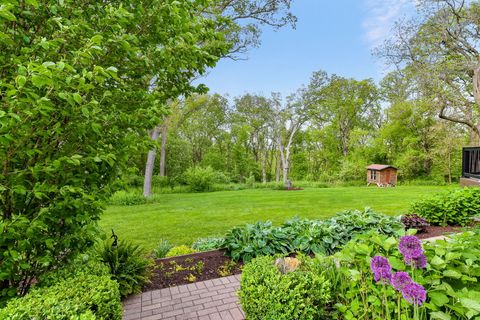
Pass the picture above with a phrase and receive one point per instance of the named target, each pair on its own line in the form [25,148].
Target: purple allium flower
[400,279]
[381,268]
[414,293]
[410,247]
[418,263]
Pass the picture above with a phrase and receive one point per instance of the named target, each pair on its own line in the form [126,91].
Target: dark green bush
[128,265]
[268,294]
[456,207]
[85,297]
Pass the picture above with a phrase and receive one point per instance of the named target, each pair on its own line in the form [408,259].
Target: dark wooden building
[382,175]
[470,167]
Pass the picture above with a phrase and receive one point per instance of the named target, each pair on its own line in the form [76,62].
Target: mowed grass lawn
[182,218]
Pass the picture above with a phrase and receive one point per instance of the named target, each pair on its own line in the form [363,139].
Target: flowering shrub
[376,277]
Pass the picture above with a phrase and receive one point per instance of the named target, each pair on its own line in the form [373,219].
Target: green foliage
[180,251]
[451,278]
[80,85]
[456,207]
[162,248]
[268,294]
[306,236]
[83,265]
[253,240]
[127,264]
[200,179]
[206,244]
[86,297]
[126,198]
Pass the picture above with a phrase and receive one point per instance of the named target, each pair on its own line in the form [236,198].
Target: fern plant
[128,265]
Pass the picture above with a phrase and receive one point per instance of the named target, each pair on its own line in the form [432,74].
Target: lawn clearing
[182,218]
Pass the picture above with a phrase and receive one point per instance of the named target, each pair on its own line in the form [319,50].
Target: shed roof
[380,167]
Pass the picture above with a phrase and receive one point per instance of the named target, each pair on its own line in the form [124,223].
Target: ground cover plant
[207,214]
[306,236]
[456,207]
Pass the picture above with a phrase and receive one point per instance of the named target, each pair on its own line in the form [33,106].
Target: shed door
[387,176]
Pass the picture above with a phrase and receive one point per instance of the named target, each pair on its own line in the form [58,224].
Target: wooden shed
[382,175]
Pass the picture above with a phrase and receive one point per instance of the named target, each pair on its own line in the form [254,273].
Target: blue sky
[336,36]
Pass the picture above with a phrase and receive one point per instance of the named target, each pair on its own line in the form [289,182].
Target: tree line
[328,131]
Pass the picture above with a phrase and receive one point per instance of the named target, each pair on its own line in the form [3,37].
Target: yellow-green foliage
[179,251]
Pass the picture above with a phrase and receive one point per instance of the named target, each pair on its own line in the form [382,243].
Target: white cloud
[381,16]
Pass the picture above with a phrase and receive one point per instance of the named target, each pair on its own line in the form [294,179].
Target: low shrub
[127,198]
[456,207]
[306,236]
[449,271]
[200,179]
[206,244]
[82,265]
[85,297]
[127,263]
[162,249]
[180,251]
[414,221]
[268,294]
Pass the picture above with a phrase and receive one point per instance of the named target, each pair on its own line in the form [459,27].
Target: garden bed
[436,231]
[170,272]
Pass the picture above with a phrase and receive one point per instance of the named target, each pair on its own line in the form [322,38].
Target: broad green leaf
[440,315]
[437,298]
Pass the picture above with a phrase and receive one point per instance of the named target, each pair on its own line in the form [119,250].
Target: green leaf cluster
[85,297]
[306,236]
[456,207]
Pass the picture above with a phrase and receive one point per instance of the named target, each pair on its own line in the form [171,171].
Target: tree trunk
[163,151]
[264,167]
[147,182]
[278,169]
[449,168]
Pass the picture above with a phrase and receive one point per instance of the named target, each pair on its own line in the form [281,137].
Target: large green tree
[440,50]
[76,83]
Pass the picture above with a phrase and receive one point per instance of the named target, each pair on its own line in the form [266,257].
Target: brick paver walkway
[208,300]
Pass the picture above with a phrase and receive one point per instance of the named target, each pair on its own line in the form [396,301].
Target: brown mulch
[175,271]
[435,231]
